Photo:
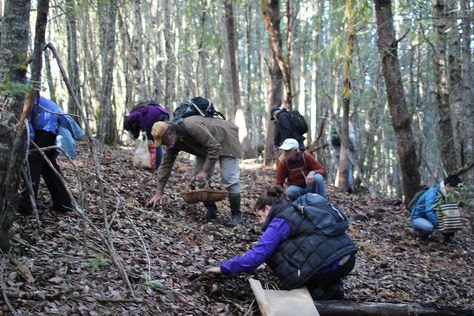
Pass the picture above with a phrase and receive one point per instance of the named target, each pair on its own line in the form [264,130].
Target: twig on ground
[2,284]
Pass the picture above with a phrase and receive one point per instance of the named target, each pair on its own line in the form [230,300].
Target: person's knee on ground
[423,226]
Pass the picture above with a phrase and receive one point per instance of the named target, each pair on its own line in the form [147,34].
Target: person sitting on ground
[301,171]
[284,128]
[283,247]
[210,139]
[142,118]
[49,126]
[423,216]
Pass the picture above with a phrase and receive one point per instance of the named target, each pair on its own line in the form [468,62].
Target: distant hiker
[304,245]
[301,171]
[284,128]
[335,140]
[49,126]
[210,139]
[423,216]
[142,118]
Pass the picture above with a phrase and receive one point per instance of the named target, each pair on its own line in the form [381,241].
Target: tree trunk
[14,35]
[467,80]
[445,127]
[72,59]
[107,131]
[234,81]
[346,95]
[276,77]
[275,44]
[170,64]
[401,119]
[136,56]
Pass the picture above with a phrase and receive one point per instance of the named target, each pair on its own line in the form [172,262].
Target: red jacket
[295,171]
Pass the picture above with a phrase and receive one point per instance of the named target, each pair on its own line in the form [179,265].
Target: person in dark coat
[284,128]
[142,118]
[49,126]
[295,250]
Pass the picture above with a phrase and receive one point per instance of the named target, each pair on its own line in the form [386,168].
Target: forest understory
[60,265]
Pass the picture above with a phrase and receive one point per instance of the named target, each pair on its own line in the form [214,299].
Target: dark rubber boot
[211,210]
[234,201]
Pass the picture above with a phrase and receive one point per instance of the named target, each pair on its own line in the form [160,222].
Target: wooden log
[344,308]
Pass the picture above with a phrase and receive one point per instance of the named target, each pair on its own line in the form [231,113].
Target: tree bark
[344,308]
[72,55]
[170,64]
[275,85]
[136,56]
[401,119]
[445,127]
[346,95]
[275,44]
[467,80]
[14,34]
[231,45]
[107,131]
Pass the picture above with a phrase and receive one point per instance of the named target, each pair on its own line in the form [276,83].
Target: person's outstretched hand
[215,270]
[155,199]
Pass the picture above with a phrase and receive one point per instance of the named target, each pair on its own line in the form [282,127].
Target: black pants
[325,285]
[39,167]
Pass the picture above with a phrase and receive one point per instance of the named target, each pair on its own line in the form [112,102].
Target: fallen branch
[344,308]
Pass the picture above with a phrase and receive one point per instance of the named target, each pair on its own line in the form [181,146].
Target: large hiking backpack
[298,121]
[328,219]
[412,203]
[196,106]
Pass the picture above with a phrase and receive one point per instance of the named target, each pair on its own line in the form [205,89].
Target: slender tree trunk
[401,119]
[72,55]
[231,44]
[136,55]
[275,44]
[276,77]
[445,127]
[316,36]
[468,95]
[455,78]
[107,128]
[170,64]
[346,94]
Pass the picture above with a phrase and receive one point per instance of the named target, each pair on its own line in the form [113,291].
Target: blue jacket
[424,207]
[48,116]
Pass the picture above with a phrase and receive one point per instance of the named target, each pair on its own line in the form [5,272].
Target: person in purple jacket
[296,250]
[142,118]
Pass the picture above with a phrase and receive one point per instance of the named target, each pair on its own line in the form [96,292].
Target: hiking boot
[236,219]
[234,201]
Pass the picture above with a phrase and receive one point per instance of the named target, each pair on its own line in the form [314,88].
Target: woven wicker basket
[205,194]
[449,218]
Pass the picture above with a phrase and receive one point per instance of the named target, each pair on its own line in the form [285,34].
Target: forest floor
[60,264]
